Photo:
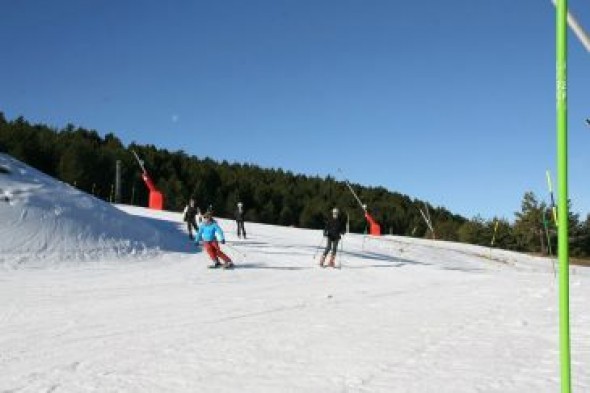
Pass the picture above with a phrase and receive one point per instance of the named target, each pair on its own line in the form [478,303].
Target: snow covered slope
[45,221]
[402,315]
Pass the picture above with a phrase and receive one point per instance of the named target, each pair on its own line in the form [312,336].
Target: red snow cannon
[156,199]
[374,228]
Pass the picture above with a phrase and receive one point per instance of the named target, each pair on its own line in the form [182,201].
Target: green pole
[563,216]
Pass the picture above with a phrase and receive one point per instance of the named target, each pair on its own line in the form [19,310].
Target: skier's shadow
[463,269]
[245,242]
[263,266]
[375,256]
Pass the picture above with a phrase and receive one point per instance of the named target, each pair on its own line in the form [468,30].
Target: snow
[401,315]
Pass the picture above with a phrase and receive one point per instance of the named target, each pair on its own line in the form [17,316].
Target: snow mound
[45,220]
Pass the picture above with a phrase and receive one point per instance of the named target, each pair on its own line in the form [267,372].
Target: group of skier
[210,234]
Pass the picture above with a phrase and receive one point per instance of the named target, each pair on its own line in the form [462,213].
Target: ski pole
[319,247]
[364,240]
[341,253]
[235,250]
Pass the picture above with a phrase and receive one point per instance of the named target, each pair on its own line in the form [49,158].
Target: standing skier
[240,220]
[199,216]
[334,230]
[189,216]
[210,232]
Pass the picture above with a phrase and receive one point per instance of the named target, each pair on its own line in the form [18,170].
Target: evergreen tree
[474,231]
[528,227]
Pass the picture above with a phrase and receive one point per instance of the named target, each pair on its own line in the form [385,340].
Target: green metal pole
[563,216]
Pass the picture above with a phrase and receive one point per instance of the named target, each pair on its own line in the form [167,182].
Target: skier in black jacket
[334,230]
[240,220]
[189,216]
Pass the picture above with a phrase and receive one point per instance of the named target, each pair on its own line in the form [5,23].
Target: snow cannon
[156,198]
[374,227]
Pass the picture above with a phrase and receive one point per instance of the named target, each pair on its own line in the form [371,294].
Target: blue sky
[447,101]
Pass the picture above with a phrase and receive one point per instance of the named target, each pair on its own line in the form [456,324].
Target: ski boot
[216,265]
[331,263]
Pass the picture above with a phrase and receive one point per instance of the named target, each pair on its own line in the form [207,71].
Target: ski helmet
[335,211]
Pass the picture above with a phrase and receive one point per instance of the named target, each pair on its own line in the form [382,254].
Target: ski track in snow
[401,315]
[283,324]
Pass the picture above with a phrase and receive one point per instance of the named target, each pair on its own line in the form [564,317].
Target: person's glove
[222,241]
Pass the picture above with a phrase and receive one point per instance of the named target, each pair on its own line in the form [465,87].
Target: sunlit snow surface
[401,315]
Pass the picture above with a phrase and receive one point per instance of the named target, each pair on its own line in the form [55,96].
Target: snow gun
[427,220]
[577,29]
[156,199]
[374,227]
[553,208]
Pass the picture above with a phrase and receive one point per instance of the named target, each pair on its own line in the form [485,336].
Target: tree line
[87,160]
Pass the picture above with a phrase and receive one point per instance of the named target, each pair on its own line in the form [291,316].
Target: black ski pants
[331,246]
[192,224]
[241,228]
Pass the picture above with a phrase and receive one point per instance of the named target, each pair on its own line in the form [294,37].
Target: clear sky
[448,101]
